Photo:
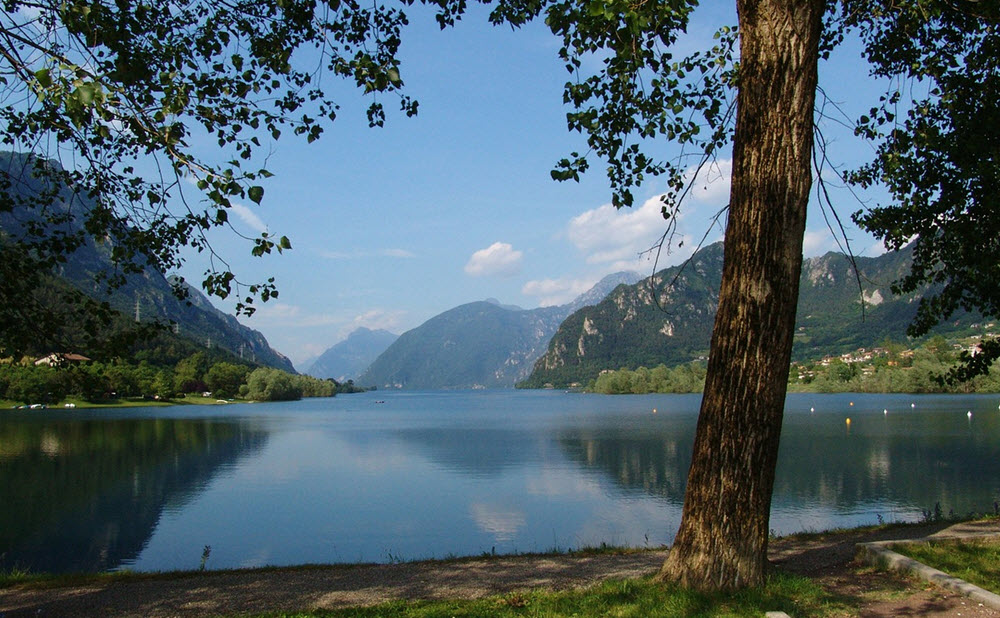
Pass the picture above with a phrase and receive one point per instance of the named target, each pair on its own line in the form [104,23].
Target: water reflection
[431,475]
[656,465]
[84,495]
[889,466]
[911,459]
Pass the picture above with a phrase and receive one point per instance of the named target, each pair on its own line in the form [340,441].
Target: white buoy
[812,409]
[969,413]
[913,405]
[886,411]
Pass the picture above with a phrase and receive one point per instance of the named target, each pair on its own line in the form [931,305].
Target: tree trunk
[722,541]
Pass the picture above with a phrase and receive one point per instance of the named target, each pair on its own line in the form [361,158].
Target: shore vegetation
[888,368]
[202,377]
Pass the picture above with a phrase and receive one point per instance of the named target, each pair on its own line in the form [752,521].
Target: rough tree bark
[722,541]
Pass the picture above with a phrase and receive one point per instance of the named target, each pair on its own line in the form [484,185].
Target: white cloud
[816,243]
[249,217]
[556,291]
[400,253]
[609,235]
[499,259]
[378,319]
[712,184]
[285,315]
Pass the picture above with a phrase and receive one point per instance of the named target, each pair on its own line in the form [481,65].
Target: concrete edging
[879,554]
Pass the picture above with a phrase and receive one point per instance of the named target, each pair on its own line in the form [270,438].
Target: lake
[388,476]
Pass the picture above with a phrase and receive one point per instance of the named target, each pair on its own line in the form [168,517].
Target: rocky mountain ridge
[668,318]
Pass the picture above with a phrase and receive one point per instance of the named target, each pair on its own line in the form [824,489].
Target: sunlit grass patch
[976,561]
[797,596]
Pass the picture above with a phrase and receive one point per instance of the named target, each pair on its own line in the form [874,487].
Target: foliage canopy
[112,98]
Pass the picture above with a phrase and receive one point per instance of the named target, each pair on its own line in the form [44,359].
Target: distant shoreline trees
[197,374]
[920,370]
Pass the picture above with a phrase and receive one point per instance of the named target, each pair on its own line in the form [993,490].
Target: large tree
[644,93]
[722,541]
[109,84]
[941,165]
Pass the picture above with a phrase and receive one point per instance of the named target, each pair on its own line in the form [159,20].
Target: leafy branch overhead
[937,131]
[113,97]
[120,93]
[643,94]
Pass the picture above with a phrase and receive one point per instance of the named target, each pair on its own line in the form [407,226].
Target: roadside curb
[879,554]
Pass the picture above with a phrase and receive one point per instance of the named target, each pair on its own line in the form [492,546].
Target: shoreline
[826,559]
[49,579]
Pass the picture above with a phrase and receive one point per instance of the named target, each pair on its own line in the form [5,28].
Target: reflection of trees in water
[962,472]
[655,465]
[86,495]
[959,472]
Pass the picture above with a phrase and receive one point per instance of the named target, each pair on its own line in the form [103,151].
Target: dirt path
[827,558]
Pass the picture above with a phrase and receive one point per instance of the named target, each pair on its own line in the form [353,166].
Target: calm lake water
[387,476]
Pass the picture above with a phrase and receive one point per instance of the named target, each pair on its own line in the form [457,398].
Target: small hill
[477,345]
[349,358]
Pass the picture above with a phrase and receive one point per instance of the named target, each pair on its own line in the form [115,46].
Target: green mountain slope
[149,293]
[654,322]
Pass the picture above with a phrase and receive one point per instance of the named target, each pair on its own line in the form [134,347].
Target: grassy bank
[81,404]
[839,596]
[797,596]
[977,561]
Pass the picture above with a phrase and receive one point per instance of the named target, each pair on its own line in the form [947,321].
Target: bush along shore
[72,380]
[889,368]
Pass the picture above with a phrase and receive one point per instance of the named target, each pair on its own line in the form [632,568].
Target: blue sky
[392,226]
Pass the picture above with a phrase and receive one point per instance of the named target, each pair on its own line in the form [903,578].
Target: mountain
[198,319]
[477,345]
[147,295]
[668,319]
[349,358]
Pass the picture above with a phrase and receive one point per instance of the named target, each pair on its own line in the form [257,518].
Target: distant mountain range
[668,318]
[149,294]
[349,358]
[477,345]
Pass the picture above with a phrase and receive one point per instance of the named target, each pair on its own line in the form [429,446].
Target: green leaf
[256,194]
[44,78]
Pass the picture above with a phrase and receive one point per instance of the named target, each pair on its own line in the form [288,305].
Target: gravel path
[228,592]
[826,558]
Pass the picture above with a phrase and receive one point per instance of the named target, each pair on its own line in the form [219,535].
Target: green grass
[976,561]
[797,596]
[124,402]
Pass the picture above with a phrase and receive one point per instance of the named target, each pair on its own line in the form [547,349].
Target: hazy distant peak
[347,359]
[602,288]
[496,302]
[363,331]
